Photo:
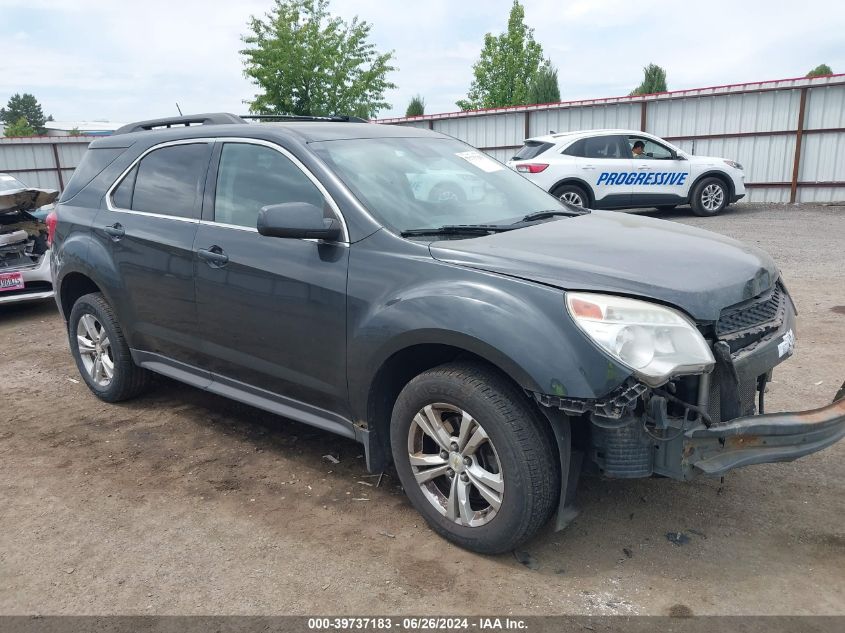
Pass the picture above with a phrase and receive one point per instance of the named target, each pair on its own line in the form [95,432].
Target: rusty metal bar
[799,135]
[589,103]
[35,169]
[814,183]
[527,132]
[58,166]
[643,115]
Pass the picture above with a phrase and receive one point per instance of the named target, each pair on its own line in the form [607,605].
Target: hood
[619,253]
[25,199]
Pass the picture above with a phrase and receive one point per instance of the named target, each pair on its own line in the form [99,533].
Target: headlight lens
[733,163]
[656,342]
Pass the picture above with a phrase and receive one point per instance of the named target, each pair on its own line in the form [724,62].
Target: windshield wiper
[550,213]
[459,229]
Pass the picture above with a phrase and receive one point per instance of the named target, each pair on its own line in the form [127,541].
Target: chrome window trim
[112,207]
[228,139]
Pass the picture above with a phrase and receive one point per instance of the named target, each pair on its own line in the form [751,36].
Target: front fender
[398,300]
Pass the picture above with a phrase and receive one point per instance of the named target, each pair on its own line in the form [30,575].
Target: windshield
[8,183]
[416,183]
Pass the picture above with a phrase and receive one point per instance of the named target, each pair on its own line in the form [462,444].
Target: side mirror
[299,220]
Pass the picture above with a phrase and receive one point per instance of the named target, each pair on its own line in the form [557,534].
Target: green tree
[544,87]
[75,132]
[506,67]
[21,127]
[820,71]
[27,107]
[307,62]
[654,80]
[416,107]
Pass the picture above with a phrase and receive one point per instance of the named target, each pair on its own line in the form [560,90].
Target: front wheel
[709,197]
[474,457]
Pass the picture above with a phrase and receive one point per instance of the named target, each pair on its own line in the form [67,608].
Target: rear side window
[605,147]
[93,162]
[253,176]
[166,181]
[531,149]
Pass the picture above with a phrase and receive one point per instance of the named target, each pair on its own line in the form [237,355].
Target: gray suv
[492,346]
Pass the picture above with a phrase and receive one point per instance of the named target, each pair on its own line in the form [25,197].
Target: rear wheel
[572,194]
[475,459]
[101,351]
[709,197]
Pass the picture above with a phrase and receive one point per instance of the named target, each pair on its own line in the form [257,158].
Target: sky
[118,60]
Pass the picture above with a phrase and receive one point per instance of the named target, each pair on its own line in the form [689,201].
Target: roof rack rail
[334,118]
[214,118]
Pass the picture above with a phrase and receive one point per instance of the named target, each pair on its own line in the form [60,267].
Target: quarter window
[122,196]
[167,181]
[253,176]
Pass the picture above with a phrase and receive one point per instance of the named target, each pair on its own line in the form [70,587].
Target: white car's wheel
[572,194]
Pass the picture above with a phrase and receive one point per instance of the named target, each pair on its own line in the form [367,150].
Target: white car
[619,169]
[24,248]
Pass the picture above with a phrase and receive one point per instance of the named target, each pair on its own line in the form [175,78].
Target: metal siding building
[789,134]
[42,161]
[760,124]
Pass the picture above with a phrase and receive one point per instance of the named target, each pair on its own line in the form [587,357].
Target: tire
[442,193]
[666,207]
[509,447]
[93,331]
[709,197]
[572,194]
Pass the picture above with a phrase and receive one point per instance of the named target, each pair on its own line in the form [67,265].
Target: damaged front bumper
[758,439]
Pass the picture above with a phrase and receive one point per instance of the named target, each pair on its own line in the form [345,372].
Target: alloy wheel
[455,464]
[95,350]
[712,197]
[572,197]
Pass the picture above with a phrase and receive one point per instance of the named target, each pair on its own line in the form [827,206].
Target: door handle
[642,167]
[213,256]
[588,166]
[115,231]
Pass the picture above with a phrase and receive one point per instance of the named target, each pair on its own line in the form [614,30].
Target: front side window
[642,147]
[422,182]
[167,181]
[253,176]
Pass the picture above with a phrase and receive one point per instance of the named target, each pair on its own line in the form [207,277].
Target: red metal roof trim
[726,88]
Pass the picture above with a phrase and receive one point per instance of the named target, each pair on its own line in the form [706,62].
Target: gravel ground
[184,503]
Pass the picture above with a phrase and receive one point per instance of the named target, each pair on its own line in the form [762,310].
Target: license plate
[11,281]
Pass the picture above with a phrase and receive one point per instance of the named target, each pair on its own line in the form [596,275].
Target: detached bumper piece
[758,439]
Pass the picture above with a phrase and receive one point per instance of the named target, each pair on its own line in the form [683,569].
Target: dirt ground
[185,503]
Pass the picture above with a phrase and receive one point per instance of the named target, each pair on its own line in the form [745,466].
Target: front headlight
[656,342]
[732,163]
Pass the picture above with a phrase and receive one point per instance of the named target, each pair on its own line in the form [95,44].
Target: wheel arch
[410,360]
[574,180]
[74,285]
[713,173]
